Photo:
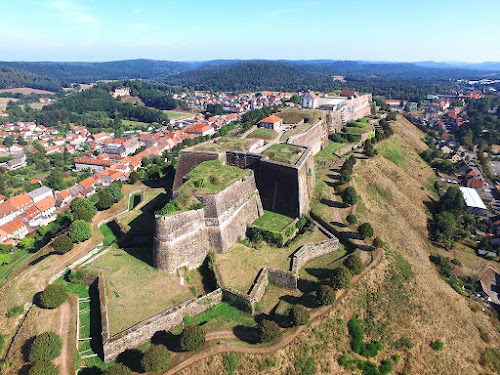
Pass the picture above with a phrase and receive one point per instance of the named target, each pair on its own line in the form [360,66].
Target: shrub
[46,347]
[53,296]
[2,342]
[299,315]
[80,231]
[15,311]
[378,243]
[385,367]
[192,338]
[366,230]
[357,344]
[63,244]
[268,330]
[118,369]
[230,363]
[351,219]
[83,214]
[341,278]
[44,368]
[326,295]
[491,358]
[134,177]
[403,342]
[437,345]
[350,196]
[82,276]
[156,359]
[169,208]
[354,264]
[105,201]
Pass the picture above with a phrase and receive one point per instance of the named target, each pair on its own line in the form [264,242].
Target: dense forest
[482,125]
[10,77]
[393,80]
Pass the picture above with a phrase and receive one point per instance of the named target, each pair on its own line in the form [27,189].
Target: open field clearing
[254,260]
[130,276]
[5,101]
[27,91]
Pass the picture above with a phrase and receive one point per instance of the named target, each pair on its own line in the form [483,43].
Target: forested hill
[10,77]
[86,72]
[241,76]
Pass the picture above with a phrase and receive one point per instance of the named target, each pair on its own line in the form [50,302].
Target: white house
[473,201]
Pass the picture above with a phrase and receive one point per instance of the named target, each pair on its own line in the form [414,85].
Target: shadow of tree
[132,359]
[25,349]
[333,204]
[168,339]
[246,334]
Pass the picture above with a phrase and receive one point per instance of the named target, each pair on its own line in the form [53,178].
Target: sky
[196,30]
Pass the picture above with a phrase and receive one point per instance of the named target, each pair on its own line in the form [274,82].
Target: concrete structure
[473,201]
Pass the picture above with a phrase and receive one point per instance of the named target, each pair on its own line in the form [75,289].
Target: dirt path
[64,330]
[265,349]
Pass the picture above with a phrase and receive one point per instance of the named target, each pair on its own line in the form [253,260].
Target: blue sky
[391,30]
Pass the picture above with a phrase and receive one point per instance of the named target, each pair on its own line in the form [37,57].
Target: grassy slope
[423,308]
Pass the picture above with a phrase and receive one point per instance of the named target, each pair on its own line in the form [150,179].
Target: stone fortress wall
[315,137]
[184,239]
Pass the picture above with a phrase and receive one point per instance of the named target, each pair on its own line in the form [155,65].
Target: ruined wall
[282,278]
[313,136]
[165,320]
[180,240]
[190,159]
[259,286]
[311,251]
[334,121]
[306,180]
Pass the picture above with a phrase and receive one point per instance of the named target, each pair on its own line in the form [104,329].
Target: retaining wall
[313,136]
[163,321]
[311,251]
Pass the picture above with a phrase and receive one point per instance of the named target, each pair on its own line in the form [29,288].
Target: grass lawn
[296,130]
[262,133]
[135,199]
[109,235]
[211,177]
[135,290]
[176,115]
[393,150]
[267,256]
[272,221]
[227,143]
[293,116]
[320,268]
[284,153]
[136,124]
[222,317]
[16,260]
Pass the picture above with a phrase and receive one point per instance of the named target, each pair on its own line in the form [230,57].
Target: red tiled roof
[21,201]
[89,181]
[271,119]
[46,204]
[12,226]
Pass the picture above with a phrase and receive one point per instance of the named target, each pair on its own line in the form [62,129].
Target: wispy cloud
[139,26]
[73,12]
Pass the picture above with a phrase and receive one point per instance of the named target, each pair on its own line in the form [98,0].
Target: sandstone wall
[259,286]
[306,180]
[311,251]
[313,136]
[190,159]
[180,240]
[165,320]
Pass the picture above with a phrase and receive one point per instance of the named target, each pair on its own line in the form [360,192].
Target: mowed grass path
[135,290]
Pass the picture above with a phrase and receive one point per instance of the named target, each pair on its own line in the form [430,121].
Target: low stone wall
[259,286]
[311,251]
[354,146]
[165,320]
[238,299]
[313,137]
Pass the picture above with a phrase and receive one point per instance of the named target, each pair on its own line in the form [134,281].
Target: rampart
[185,238]
[143,331]
[283,188]
[314,136]
[311,251]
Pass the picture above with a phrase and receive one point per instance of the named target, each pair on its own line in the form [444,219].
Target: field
[130,277]
[178,115]
[272,221]
[26,91]
[132,100]
[136,124]
[215,176]
[293,116]
[5,101]
[262,133]
[284,153]
[392,149]
[227,143]
[266,256]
